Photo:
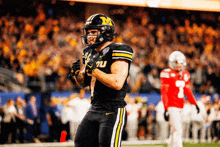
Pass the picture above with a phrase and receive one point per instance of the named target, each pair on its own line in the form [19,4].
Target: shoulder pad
[164,74]
[122,51]
[185,72]
[85,52]
[167,70]
[186,75]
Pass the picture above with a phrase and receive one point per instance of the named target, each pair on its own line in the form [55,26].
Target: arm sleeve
[83,57]
[122,51]
[164,88]
[188,91]
[190,95]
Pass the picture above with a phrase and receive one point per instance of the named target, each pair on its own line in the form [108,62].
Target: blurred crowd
[146,121]
[22,121]
[19,116]
[43,47]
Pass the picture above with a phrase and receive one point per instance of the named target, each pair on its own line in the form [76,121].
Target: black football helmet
[104,24]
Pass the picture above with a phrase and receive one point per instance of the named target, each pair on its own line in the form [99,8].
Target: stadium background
[23,83]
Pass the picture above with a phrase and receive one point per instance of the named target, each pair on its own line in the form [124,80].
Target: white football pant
[176,127]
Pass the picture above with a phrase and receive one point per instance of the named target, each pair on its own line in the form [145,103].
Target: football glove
[91,65]
[75,67]
[197,108]
[166,115]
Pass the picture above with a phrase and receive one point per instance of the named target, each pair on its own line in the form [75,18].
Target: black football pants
[101,129]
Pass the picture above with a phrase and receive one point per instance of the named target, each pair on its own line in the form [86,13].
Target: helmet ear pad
[108,33]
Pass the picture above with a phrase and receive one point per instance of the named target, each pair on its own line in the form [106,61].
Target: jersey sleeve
[122,51]
[85,54]
[164,76]
[83,57]
[188,90]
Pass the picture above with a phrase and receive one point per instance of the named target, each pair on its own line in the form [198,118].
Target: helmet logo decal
[106,21]
[89,20]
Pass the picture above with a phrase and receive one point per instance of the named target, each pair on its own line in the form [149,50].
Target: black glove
[197,108]
[166,115]
[75,67]
[91,65]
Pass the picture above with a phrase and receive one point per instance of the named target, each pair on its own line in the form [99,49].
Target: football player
[175,83]
[105,71]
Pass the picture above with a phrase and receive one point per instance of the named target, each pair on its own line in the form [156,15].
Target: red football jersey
[174,87]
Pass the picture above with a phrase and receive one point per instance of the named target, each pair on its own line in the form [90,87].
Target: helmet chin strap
[179,72]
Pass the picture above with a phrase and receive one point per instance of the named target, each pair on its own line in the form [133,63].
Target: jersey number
[180,85]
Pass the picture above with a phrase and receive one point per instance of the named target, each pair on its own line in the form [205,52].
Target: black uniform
[103,124]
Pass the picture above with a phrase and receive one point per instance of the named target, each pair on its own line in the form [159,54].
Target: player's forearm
[111,80]
[164,97]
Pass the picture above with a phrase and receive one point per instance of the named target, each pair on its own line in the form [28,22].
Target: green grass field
[184,145]
[126,145]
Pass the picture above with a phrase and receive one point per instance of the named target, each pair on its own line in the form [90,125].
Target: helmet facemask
[99,39]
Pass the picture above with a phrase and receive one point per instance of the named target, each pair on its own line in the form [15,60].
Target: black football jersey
[102,95]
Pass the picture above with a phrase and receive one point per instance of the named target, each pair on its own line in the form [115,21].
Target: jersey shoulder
[185,72]
[121,51]
[165,73]
[86,51]
[186,75]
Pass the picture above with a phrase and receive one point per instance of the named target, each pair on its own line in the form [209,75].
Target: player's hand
[91,65]
[75,67]
[166,115]
[197,108]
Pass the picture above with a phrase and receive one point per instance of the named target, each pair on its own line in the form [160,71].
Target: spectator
[142,125]
[186,115]
[154,80]
[9,121]
[215,119]
[54,122]
[151,122]
[208,106]
[79,105]
[133,110]
[162,130]
[32,114]
[1,123]
[199,121]
[20,119]
[133,74]
[66,116]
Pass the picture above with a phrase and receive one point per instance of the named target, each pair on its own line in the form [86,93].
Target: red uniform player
[175,84]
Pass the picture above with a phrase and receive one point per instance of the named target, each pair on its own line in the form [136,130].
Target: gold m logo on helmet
[106,21]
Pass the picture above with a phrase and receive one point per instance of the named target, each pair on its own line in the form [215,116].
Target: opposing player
[175,83]
[106,71]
